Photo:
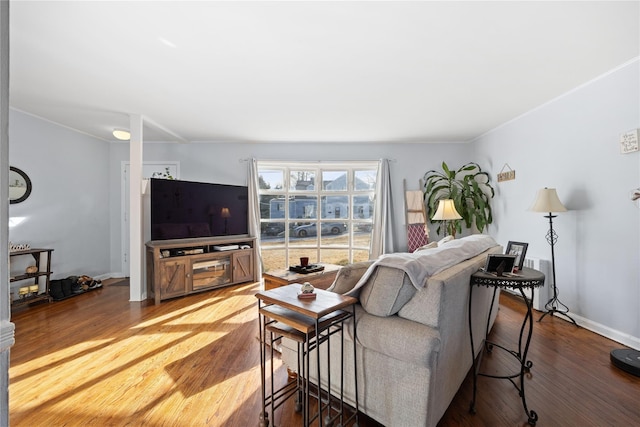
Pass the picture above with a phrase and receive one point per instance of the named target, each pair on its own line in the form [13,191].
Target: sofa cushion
[386,291]
[348,276]
[424,307]
[398,338]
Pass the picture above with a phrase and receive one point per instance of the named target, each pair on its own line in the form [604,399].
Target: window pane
[335,256]
[273,242]
[334,180]
[365,180]
[296,254]
[273,259]
[359,256]
[330,241]
[272,231]
[271,207]
[362,227]
[362,239]
[270,179]
[304,234]
[335,206]
[303,207]
[334,234]
[302,180]
[363,207]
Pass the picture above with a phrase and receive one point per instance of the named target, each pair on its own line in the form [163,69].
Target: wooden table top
[324,303]
[291,276]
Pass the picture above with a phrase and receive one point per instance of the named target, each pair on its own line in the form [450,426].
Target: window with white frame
[320,210]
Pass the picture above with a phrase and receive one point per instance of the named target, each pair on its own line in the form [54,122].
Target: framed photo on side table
[519,249]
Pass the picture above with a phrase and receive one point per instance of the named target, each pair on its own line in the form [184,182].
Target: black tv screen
[186,209]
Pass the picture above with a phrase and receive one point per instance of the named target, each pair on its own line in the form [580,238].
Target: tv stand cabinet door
[243,266]
[174,275]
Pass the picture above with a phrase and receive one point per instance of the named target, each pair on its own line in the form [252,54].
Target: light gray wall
[225,164]
[572,144]
[68,209]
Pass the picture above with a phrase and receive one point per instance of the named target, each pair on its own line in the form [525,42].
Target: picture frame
[499,264]
[519,249]
[19,185]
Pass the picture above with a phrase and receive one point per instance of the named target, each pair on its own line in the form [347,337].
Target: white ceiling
[308,71]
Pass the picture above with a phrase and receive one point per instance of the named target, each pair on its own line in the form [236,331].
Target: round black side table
[527,278]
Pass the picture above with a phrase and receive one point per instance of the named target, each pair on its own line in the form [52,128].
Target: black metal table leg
[525,365]
[264,416]
[355,363]
[474,372]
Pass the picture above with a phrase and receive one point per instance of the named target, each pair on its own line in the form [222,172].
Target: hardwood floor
[98,359]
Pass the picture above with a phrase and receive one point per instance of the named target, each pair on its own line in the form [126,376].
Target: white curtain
[383,239]
[254,213]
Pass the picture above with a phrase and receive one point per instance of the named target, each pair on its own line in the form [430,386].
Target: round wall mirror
[19,185]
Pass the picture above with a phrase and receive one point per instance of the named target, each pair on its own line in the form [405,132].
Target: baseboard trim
[612,334]
[607,332]
[110,276]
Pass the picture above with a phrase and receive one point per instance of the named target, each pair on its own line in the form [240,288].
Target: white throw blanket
[421,265]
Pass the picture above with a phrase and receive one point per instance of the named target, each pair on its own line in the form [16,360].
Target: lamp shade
[446,211]
[547,201]
[225,213]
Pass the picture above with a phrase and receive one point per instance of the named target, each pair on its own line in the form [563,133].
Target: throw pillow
[387,290]
[348,276]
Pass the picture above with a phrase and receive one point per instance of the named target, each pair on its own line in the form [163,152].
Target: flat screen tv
[186,209]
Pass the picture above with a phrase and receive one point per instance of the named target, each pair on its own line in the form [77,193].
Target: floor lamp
[547,201]
[446,211]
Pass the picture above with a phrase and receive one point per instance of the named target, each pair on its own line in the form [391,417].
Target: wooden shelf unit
[39,296]
[184,266]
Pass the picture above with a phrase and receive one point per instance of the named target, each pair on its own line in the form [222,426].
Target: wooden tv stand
[184,266]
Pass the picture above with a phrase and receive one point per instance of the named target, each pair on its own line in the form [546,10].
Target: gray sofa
[413,347]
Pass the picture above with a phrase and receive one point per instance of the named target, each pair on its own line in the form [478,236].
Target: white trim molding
[607,332]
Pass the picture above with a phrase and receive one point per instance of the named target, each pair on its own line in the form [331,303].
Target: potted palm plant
[470,190]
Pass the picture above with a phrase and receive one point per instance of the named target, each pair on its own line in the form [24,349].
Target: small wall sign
[506,175]
[629,142]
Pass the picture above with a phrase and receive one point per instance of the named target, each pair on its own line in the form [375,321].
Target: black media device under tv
[186,209]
